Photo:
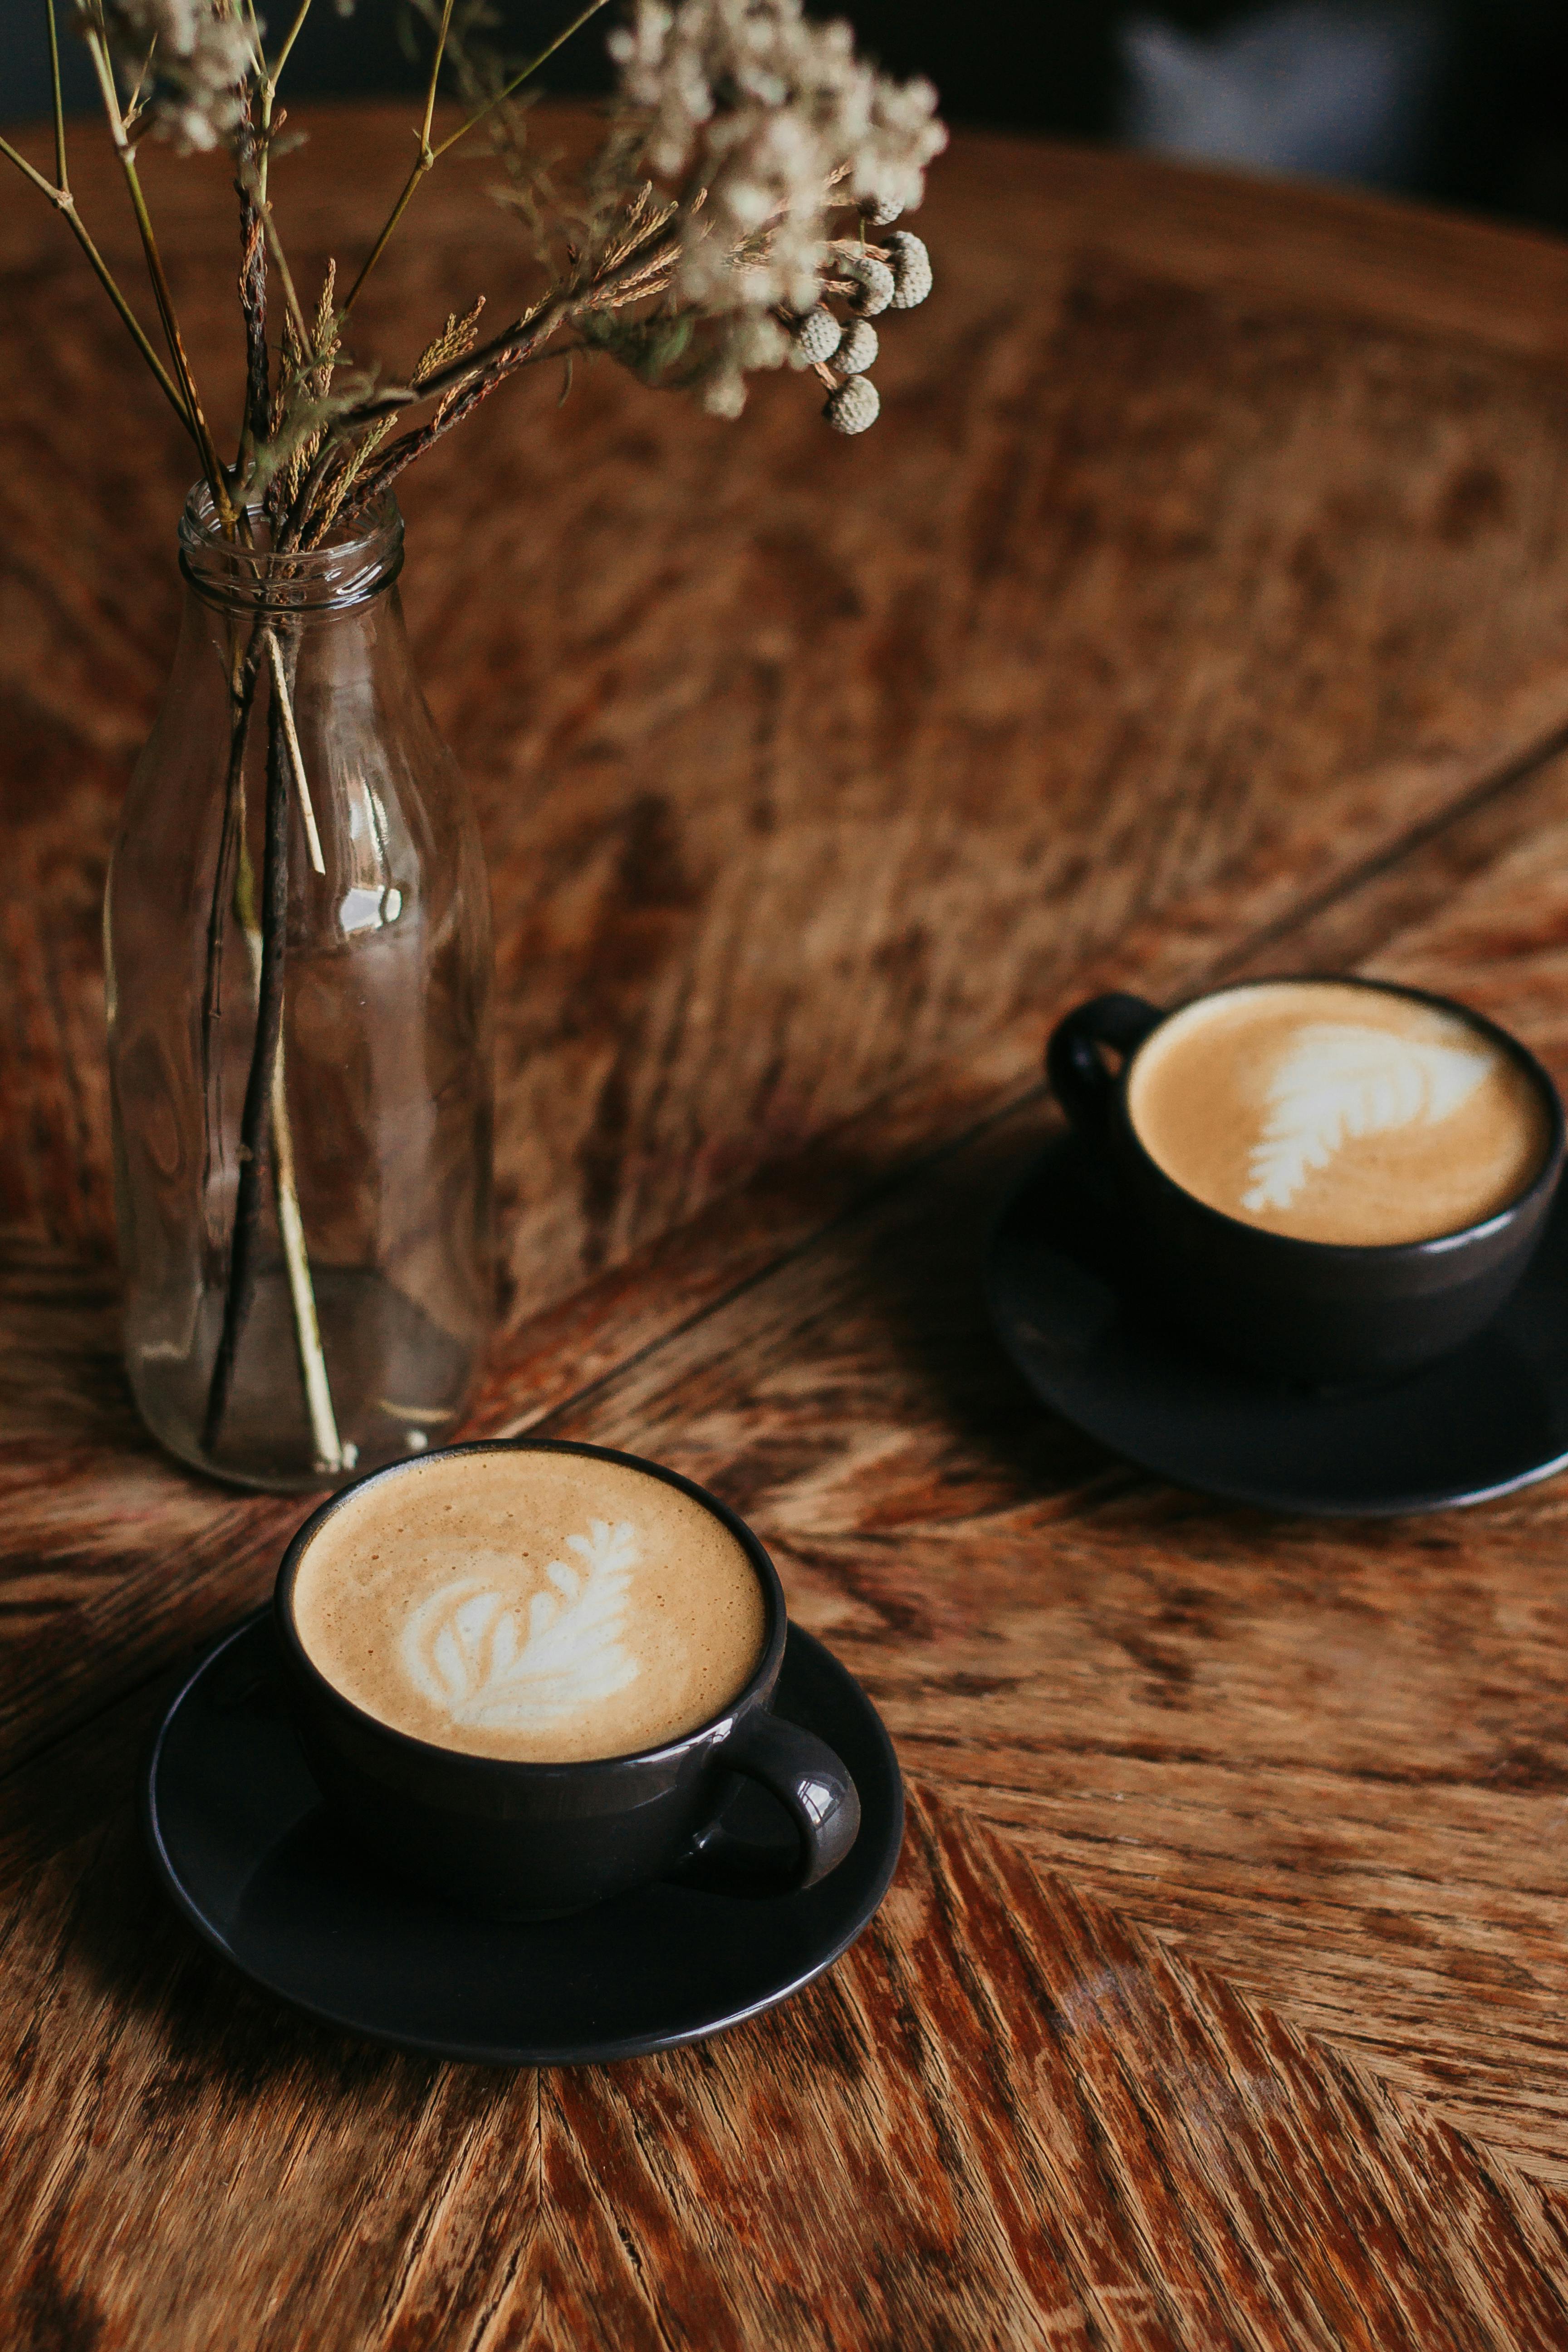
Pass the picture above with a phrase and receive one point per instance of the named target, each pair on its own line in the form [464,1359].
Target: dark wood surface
[1200,606]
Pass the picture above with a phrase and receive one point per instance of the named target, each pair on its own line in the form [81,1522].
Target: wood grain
[874,742]
[1199,607]
[1005,2118]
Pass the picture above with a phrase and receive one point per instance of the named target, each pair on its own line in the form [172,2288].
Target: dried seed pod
[881,213]
[911,270]
[854,405]
[873,279]
[858,349]
[815,337]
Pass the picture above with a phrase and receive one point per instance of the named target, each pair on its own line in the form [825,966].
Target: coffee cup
[1332,1180]
[531,1675]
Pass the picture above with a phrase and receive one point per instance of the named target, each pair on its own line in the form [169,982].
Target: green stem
[62,179]
[435,78]
[275,70]
[518,77]
[270,77]
[429,155]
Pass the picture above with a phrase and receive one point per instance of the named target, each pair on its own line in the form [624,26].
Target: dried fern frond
[455,342]
[302,406]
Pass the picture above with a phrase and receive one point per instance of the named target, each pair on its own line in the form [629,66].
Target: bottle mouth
[247,575]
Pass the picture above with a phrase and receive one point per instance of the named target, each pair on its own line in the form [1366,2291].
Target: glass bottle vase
[298,950]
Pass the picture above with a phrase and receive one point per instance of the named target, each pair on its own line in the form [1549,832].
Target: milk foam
[493,1665]
[1338,1113]
[543,1606]
[1345,1078]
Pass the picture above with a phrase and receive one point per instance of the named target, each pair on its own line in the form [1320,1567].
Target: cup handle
[1079,1077]
[814,1787]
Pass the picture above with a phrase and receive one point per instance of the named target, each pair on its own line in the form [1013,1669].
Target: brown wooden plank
[1006,2117]
[1333,1757]
[118,1563]
[801,765]
[1198,606]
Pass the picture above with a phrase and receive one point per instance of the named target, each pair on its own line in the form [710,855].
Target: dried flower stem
[374,484]
[243,670]
[435,79]
[165,300]
[62,179]
[285,703]
[256,1124]
[255,422]
[274,71]
[266,1136]
[429,155]
[64,203]
[330,1450]
[253,188]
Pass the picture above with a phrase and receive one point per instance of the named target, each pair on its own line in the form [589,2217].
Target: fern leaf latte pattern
[1341,1079]
[1333,1112]
[540,1605]
[497,1667]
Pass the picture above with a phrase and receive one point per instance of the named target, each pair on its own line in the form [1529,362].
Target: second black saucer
[241,1842]
[1064,1300]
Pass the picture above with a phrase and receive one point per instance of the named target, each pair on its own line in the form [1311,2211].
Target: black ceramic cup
[519,1840]
[1320,1312]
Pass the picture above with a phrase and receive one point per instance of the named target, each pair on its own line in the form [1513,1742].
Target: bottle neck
[247,574]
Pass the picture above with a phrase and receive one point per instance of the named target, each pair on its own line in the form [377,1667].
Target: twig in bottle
[265,1130]
[284,705]
[255,1127]
[331,1451]
[242,698]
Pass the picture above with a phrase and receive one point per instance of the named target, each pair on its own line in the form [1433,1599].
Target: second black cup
[1319,1311]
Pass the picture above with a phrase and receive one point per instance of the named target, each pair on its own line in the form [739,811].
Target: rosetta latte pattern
[1341,1080]
[493,1664]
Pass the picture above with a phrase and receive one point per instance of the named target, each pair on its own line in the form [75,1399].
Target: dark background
[1463,100]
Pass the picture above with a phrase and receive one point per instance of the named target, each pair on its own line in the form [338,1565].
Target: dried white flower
[747,341]
[815,338]
[761,107]
[201,52]
[724,392]
[857,351]
[882,212]
[911,270]
[856,405]
[873,279]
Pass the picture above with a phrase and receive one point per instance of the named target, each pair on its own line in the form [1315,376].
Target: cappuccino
[542,1607]
[1334,1113]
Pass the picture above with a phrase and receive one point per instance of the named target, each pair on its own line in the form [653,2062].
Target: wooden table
[1199,607]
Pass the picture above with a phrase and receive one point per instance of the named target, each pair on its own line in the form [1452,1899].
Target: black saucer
[1490,1417]
[240,1840]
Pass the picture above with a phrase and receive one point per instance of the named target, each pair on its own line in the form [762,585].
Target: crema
[544,1607]
[1335,1113]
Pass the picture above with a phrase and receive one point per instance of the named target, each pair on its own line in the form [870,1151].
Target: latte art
[494,1663]
[1341,1079]
[548,1607]
[1335,1113]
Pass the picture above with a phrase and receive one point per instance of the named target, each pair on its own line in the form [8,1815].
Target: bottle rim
[254,578]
